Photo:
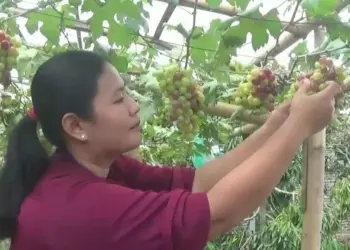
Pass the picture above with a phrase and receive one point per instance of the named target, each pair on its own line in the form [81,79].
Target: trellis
[314,147]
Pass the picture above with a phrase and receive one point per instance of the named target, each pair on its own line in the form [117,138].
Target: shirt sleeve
[134,219]
[154,178]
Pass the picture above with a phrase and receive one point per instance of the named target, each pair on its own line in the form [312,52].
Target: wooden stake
[313,184]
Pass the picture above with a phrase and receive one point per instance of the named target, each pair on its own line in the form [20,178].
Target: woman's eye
[119,100]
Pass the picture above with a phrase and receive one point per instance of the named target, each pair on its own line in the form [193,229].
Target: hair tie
[32,114]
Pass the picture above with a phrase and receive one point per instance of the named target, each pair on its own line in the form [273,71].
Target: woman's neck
[99,166]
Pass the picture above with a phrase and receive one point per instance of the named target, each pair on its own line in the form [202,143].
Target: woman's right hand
[314,111]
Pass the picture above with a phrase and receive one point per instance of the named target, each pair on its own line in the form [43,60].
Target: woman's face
[116,125]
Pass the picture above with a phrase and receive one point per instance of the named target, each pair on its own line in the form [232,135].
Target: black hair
[66,83]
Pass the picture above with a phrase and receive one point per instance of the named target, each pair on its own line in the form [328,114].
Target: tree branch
[301,30]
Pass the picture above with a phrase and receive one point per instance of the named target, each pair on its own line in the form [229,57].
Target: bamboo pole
[313,184]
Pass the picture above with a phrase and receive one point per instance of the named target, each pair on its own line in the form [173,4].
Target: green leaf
[11,26]
[179,28]
[125,7]
[259,38]
[340,30]
[274,26]
[235,37]
[257,29]
[301,48]
[214,3]
[240,3]
[120,35]
[225,53]
[203,48]
[32,25]
[152,51]
[120,63]
[53,22]
[90,6]
[96,26]
[126,11]
[333,45]
[209,91]
[320,8]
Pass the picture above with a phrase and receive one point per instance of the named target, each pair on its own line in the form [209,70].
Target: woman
[88,196]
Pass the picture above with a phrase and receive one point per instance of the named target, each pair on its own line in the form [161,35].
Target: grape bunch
[8,57]
[184,99]
[324,71]
[258,92]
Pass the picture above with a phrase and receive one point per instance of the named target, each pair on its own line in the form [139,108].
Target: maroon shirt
[136,207]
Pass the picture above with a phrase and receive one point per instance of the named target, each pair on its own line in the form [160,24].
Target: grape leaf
[32,25]
[260,38]
[235,36]
[12,26]
[224,53]
[257,28]
[50,24]
[214,3]
[240,3]
[203,48]
[259,34]
[341,30]
[120,35]
[92,6]
[209,91]
[126,7]
[333,45]
[96,21]
[179,28]
[120,63]
[274,25]
[53,22]
[300,49]
[320,8]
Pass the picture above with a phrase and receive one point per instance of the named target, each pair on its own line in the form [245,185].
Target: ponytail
[26,161]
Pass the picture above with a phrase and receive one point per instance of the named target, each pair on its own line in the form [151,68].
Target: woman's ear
[72,126]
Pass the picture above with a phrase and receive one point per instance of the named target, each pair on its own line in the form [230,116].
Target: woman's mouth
[136,126]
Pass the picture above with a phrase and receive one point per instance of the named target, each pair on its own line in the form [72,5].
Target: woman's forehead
[111,81]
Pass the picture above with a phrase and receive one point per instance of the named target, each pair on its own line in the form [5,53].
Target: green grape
[324,71]
[259,90]
[186,98]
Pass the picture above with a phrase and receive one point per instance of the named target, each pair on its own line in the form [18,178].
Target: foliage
[210,53]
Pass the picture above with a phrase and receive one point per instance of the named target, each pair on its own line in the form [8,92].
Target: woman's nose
[134,107]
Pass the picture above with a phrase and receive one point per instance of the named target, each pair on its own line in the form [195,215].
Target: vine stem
[188,39]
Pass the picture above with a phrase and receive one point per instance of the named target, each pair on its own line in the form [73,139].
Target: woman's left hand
[277,117]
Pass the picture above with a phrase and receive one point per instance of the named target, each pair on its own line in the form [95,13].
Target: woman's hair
[66,83]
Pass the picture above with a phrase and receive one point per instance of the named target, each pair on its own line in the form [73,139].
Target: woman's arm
[213,171]
[206,177]
[237,194]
